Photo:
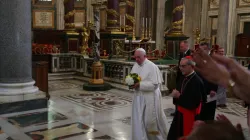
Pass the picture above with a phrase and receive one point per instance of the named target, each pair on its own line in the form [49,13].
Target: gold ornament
[112,12]
[177,27]
[113,22]
[70,14]
[179,22]
[197,35]
[178,8]
[129,3]
[130,18]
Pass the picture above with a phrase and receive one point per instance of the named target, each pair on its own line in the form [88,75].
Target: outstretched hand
[220,70]
[239,74]
[210,69]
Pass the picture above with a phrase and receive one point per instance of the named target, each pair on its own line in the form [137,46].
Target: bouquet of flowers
[131,79]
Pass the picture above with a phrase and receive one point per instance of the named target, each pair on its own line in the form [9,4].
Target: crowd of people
[204,77]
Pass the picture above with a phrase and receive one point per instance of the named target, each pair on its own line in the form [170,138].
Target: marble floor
[75,114]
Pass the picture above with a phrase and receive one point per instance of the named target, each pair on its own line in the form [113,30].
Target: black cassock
[208,109]
[179,74]
[188,106]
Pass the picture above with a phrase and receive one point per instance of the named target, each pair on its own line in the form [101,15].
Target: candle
[149,23]
[146,22]
[143,22]
[120,20]
[124,20]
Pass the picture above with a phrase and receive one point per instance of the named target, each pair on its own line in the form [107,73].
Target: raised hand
[210,69]
[239,74]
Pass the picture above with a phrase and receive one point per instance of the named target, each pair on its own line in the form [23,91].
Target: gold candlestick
[142,34]
[146,33]
[133,38]
[150,33]
[197,34]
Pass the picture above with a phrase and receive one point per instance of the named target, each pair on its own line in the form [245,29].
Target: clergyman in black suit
[209,108]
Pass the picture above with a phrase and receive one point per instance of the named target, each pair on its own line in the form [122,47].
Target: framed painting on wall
[43,19]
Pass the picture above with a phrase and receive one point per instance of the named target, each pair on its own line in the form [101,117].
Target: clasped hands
[175,93]
[135,86]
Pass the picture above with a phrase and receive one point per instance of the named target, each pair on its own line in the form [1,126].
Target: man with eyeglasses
[184,51]
[189,97]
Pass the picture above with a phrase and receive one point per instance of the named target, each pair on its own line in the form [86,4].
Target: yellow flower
[139,78]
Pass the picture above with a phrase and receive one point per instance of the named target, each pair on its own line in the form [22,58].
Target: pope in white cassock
[148,119]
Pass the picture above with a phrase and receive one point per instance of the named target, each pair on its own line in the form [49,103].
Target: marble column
[90,14]
[103,16]
[177,18]
[130,16]
[113,15]
[137,17]
[69,14]
[15,50]
[60,14]
[192,19]
[222,30]
[232,28]
[160,24]
[204,18]
[96,11]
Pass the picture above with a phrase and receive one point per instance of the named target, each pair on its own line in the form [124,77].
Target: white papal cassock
[148,117]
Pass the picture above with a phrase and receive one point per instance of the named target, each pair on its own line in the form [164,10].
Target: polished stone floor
[75,114]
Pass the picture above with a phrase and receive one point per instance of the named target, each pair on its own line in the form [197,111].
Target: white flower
[129,81]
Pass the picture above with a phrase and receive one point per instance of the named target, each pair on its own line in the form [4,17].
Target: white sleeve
[147,86]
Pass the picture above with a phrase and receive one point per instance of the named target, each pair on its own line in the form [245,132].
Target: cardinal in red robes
[190,95]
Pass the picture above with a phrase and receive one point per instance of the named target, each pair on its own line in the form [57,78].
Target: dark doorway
[246,28]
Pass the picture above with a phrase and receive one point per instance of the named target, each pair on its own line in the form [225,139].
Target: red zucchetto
[189,57]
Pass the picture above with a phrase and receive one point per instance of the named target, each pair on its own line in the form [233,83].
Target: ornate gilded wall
[50,14]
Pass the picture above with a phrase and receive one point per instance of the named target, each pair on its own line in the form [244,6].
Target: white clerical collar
[190,74]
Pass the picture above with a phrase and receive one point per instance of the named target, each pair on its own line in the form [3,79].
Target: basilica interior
[63,66]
